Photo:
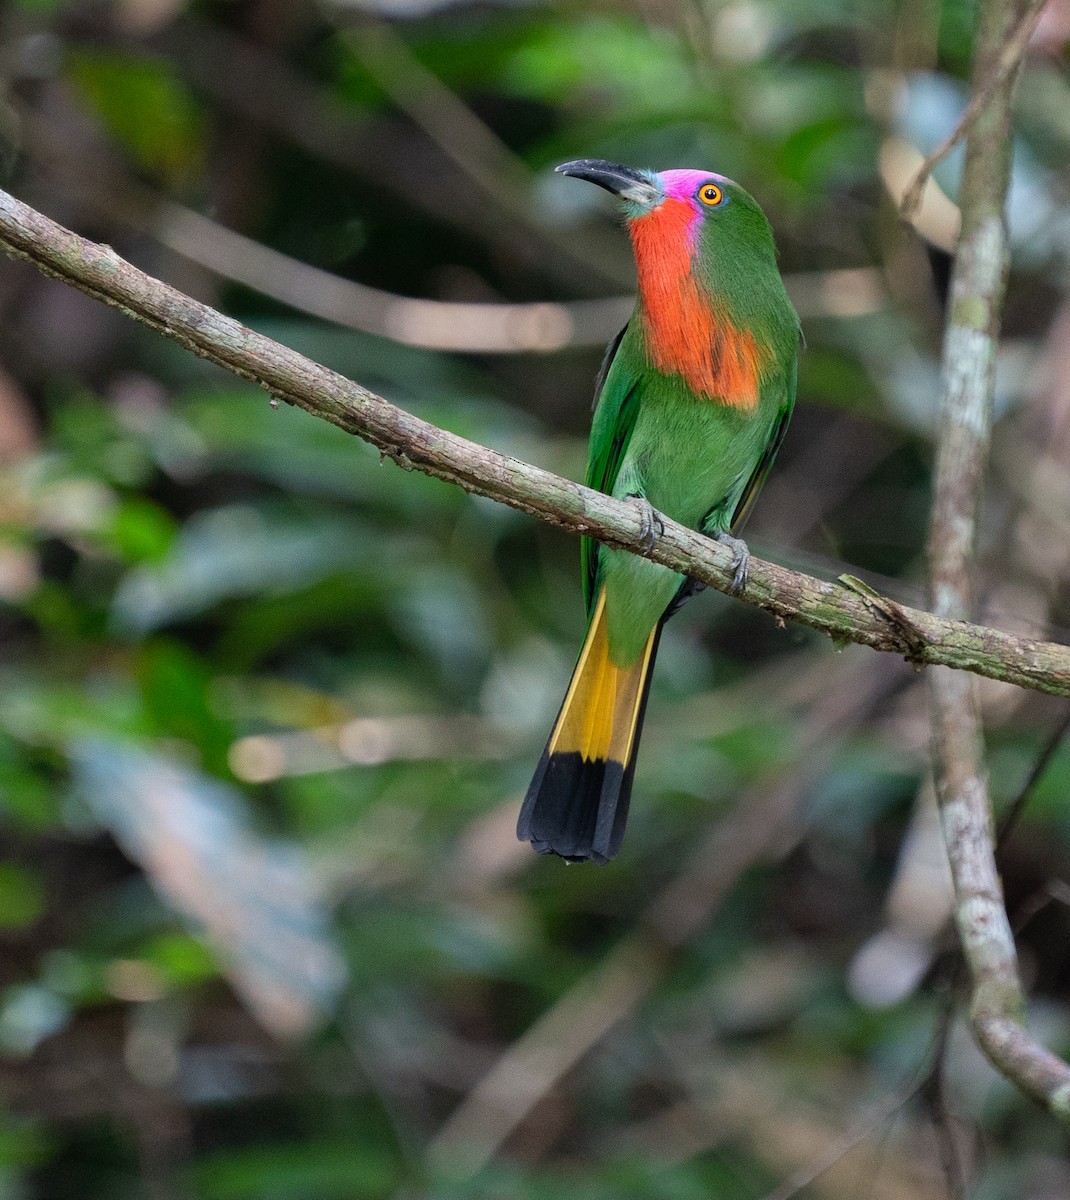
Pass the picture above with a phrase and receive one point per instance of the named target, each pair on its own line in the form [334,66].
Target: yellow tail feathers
[577,804]
[602,707]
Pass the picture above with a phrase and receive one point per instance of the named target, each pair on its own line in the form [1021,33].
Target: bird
[691,405]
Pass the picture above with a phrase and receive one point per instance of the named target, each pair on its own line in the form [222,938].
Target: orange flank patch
[685,334]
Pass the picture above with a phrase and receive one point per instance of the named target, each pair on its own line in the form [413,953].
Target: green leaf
[181,958]
[142,530]
[324,1171]
[144,106]
[22,896]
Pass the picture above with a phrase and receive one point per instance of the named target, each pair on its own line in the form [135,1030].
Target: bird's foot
[740,558]
[651,526]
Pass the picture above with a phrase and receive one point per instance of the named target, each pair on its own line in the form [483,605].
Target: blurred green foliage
[268,704]
[144,106]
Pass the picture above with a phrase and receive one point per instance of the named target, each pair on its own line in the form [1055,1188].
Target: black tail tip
[576,808]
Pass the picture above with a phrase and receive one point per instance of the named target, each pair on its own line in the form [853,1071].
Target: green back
[735,262]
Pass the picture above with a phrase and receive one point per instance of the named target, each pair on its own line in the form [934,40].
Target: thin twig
[494,170]
[1010,818]
[413,444]
[977,288]
[934,1094]
[918,1081]
[1009,59]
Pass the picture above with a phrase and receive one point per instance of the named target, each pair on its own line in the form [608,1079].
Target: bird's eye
[710,194]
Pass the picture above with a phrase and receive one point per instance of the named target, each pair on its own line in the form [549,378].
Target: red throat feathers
[685,333]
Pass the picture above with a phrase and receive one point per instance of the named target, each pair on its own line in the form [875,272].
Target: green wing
[616,406]
[776,437]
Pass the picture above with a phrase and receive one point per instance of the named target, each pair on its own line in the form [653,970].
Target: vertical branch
[977,288]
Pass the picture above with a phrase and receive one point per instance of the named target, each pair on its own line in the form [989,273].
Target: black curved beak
[626,182]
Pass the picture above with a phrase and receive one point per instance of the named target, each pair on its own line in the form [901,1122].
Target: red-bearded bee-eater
[691,406]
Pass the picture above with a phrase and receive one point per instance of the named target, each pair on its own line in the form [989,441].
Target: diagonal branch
[977,287]
[850,613]
[1005,68]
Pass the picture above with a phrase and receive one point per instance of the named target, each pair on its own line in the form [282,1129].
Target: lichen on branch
[845,612]
[978,283]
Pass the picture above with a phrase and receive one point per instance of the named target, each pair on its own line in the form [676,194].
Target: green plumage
[698,461]
[692,404]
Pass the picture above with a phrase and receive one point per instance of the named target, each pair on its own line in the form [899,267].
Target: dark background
[268,706]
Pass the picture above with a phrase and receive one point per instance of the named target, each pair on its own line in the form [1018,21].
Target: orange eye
[710,194]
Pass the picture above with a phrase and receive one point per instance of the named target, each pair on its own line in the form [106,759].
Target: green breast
[693,460]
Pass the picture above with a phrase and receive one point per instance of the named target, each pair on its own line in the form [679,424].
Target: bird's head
[711,302]
[702,206]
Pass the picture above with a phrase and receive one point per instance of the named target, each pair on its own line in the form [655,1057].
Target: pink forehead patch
[682,185]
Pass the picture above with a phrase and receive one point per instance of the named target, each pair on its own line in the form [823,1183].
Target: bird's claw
[740,559]
[651,526]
